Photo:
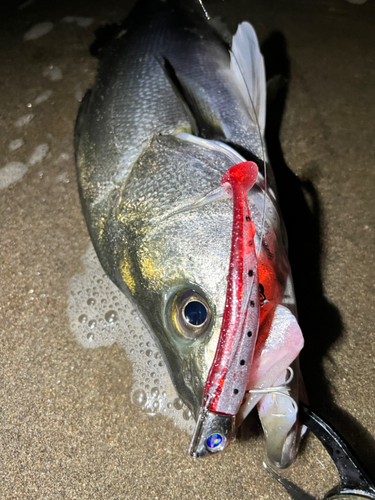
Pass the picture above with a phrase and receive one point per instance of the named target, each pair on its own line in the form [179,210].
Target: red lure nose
[226,382]
[245,173]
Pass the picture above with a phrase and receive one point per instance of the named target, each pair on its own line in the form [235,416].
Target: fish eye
[191,314]
[195,313]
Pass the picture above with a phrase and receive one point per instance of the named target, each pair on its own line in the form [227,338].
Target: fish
[181,206]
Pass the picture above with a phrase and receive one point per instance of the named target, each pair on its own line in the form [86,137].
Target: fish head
[170,254]
[181,291]
[175,263]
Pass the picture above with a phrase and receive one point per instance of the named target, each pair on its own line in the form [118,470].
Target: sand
[68,426]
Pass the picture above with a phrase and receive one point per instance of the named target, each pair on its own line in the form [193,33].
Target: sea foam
[99,315]
[12,172]
[38,30]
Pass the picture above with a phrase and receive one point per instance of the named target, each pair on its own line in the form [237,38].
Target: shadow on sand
[300,206]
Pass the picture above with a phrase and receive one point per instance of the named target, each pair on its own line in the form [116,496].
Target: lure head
[213,433]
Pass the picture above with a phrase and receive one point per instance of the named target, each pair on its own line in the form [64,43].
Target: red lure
[226,382]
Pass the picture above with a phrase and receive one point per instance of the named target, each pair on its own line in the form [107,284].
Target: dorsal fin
[248,67]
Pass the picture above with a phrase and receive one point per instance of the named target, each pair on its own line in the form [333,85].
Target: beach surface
[68,426]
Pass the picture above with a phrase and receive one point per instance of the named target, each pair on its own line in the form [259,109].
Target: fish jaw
[166,252]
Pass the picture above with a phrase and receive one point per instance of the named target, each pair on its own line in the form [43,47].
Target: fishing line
[258,127]
[277,389]
[263,151]
[204,10]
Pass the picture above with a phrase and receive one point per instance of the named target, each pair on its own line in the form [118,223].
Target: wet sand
[68,427]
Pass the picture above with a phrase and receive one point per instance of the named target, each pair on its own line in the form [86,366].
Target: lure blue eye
[195,313]
[214,441]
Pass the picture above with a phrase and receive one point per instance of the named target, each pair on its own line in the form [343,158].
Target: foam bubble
[139,397]
[38,154]
[53,72]
[25,4]
[43,97]
[38,30]
[83,22]
[24,120]
[16,144]
[178,404]
[79,95]
[11,173]
[63,177]
[113,318]
[154,392]
[186,414]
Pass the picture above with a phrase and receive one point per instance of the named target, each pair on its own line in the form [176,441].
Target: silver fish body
[164,121]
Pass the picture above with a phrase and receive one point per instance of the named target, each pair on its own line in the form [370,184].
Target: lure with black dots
[226,383]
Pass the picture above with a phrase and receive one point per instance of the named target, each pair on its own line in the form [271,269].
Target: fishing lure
[226,383]
[228,378]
